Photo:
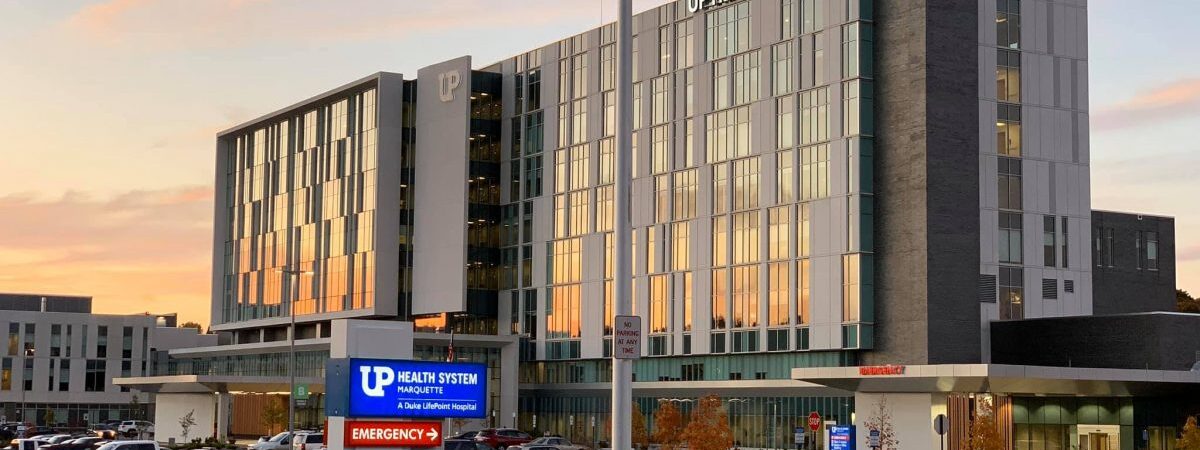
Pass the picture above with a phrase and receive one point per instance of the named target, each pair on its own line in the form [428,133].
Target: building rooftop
[54,303]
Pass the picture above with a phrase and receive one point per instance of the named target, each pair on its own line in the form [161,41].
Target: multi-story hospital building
[834,203]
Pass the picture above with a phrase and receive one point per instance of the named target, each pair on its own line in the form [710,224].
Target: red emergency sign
[393,434]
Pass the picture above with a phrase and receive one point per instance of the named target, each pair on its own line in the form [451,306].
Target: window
[728,31]
[814,115]
[689,98]
[803,230]
[1008,76]
[533,177]
[777,294]
[664,50]
[1010,238]
[720,192]
[687,306]
[1008,23]
[660,149]
[814,172]
[660,100]
[785,122]
[579,121]
[728,134]
[1049,246]
[745,296]
[812,13]
[802,292]
[1065,254]
[685,194]
[851,289]
[6,375]
[30,332]
[1012,293]
[854,94]
[1109,243]
[720,240]
[850,50]
[94,379]
[685,47]
[779,233]
[27,374]
[1008,130]
[14,338]
[745,184]
[745,78]
[1151,250]
[1009,183]
[659,303]
[662,198]
[680,240]
[720,299]
[746,237]
[55,340]
[784,179]
[781,65]
[785,16]
[720,84]
[609,104]
[608,67]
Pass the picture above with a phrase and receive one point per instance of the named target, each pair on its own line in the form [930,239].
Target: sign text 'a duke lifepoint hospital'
[420,389]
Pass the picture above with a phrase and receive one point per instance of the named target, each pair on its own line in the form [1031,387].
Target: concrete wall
[1163,341]
[926,180]
[170,408]
[912,417]
[1128,285]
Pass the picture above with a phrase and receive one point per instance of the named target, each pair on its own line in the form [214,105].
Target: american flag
[450,353]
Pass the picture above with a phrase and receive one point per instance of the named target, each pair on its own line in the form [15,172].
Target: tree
[273,414]
[1189,439]
[668,426]
[186,423]
[881,419]
[638,430]
[985,433]
[709,426]
[135,407]
[1184,302]
[48,418]
[190,324]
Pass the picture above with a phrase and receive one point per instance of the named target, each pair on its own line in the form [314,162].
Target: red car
[501,438]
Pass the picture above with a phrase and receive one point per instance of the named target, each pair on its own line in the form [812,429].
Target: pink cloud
[1171,101]
[143,250]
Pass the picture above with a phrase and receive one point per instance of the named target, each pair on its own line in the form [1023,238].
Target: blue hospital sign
[841,437]
[416,389]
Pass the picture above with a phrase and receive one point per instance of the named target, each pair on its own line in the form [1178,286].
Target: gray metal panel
[439,230]
[388,193]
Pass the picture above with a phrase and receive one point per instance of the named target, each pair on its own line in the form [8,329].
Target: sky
[109,111]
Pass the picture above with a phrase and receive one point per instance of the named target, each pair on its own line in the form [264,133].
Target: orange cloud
[1172,101]
[138,251]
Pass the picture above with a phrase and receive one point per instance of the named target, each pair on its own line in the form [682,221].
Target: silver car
[558,443]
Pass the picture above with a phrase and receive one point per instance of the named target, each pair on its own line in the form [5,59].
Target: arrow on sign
[433,434]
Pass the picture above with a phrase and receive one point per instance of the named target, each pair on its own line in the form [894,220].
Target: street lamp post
[292,274]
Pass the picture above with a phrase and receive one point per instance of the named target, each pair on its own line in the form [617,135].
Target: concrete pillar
[509,374]
[223,404]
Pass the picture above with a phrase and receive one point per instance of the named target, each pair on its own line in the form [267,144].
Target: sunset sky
[109,111]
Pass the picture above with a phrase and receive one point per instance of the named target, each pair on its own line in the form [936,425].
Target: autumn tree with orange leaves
[668,426]
[984,432]
[638,433]
[709,426]
[1189,438]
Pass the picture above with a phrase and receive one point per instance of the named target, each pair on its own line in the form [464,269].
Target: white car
[281,441]
[130,445]
[135,426]
[308,441]
[559,443]
[29,444]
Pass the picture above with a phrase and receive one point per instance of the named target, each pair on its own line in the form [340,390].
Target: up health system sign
[377,388]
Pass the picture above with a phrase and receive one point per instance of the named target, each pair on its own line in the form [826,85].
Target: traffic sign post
[940,425]
[301,392]
[799,437]
[627,337]
[814,421]
[873,439]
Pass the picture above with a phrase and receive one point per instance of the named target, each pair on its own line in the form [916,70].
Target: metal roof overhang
[1006,379]
[733,388]
[197,384]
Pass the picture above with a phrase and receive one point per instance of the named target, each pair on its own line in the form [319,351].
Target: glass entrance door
[1097,441]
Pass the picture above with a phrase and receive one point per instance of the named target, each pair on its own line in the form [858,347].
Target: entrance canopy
[1002,379]
[195,384]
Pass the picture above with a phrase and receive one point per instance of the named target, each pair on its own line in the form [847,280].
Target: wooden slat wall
[959,408]
[247,414]
[1004,418]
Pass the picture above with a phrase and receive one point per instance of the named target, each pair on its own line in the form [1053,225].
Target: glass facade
[300,193]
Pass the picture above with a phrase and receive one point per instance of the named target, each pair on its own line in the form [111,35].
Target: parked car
[502,438]
[555,442]
[27,444]
[281,441]
[83,443]
[463,444]
[468,435]
[131,427]
[58,438]
[45,432]
[308,441]
[130,445]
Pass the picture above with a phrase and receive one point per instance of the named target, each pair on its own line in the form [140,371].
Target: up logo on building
[447,83]
[383,376]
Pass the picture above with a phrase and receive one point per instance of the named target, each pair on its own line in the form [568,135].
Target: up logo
[383,375]
[447,83]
